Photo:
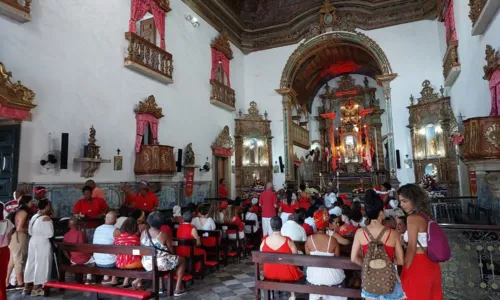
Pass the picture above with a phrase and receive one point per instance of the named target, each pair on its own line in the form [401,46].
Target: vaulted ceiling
[261,24]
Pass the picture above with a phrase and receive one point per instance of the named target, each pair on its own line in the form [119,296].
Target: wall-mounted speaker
[398,160]
[64,150]
[179,160]
[282,166]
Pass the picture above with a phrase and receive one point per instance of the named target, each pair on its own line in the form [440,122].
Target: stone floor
[234,282]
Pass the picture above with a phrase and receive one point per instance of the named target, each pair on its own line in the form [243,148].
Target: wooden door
[9,160]
[148,30]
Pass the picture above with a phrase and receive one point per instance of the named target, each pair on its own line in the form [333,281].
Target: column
[385,82]
[289,97]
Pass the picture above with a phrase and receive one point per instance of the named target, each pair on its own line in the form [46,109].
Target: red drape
[216,57]
[140,8]
[449,23]
[495,93]
[142,123]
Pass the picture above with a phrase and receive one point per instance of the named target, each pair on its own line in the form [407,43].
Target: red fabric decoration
[449,23]
[14,113]
[142,122]
[495,93]
[217,57]
[140,8]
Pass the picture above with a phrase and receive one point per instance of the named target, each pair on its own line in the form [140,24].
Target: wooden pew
[191,259]
[229,242]
[213,252]
[260,258]
[65,266]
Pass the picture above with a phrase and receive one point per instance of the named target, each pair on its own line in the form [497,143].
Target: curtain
[154,130]
[142,123]
[216,57]
[159,17]
[495,93]
[139,8]
[449,23]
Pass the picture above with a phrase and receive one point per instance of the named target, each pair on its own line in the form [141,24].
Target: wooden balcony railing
[451,64]
[19,10]
[222,96]
[300,136]
[155,159]
[148,59]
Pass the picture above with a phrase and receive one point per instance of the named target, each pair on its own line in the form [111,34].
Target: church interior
[314,96]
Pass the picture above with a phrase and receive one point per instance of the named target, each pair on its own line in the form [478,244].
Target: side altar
[351,135]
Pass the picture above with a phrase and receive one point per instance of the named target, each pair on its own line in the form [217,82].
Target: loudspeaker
[398,160]
[64,150]
[179,160]
[282,166]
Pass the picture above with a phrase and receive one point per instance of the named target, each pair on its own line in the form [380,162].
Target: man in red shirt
[269,202]
[76,236]
[222,188]
[144,199]
[90,207]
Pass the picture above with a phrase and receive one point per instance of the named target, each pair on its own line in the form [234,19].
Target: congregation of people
[329,225]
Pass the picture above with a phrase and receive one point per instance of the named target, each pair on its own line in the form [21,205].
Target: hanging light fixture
[192,20]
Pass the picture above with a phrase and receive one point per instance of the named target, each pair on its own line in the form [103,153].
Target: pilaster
[289,97]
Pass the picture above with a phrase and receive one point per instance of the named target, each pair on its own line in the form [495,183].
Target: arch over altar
[332,31]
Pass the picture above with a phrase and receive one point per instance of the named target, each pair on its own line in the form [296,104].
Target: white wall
[470,94]
[412,52]
[71,55]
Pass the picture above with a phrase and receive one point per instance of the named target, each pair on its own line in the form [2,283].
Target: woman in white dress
[39,264]
[203,221]
[321,244]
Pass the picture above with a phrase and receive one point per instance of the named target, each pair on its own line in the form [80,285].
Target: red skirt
[422,280]
[281,272]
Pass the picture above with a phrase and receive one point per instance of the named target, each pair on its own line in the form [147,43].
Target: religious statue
[92,148]
[189,159]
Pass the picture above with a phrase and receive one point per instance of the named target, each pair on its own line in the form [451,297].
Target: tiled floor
[234,282]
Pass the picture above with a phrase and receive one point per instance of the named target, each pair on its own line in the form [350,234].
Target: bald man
[76,236]
[105,235]
[96,192]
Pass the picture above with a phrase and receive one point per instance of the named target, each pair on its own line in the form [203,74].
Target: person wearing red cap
[144,199]
[268,202]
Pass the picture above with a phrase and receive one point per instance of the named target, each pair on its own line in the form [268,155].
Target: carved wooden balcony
[155,160]
[300,136]
[451,64]
[19,10]
[222,95]
[481,14]
[482,138]
[148,59]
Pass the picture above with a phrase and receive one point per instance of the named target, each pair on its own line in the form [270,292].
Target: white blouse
[39,229]
[209,224]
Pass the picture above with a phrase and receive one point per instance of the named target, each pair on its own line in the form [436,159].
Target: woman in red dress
[187,231]
[288,206]
[222,188]
[276,243]
[304,198]
[421,277]
[128,237]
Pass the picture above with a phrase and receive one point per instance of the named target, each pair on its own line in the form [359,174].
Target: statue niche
[151,157]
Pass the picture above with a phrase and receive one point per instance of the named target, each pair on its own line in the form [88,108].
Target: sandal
[138,286]
[37,292]
[27,291]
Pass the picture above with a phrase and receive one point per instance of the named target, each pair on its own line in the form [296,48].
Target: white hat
[335,211]
[255,201]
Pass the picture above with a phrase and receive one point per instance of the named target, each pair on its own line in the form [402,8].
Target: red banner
[189,175]
[222,152]
[473,183]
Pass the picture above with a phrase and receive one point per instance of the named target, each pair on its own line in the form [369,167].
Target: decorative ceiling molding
[149,107]
[164,4]
[14,95]
[265,24]
[221,43]
[492,62]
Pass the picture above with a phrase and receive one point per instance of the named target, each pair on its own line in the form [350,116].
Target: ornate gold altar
[431,122]
[351,139]
[151,158]
[253,143]
[16,100]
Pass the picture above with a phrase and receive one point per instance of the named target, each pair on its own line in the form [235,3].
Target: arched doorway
[318,60]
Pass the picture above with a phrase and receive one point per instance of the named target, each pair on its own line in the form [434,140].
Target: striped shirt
[127,239]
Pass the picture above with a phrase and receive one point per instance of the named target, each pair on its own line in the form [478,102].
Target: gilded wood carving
[149,107]
[492,62]
[164,4]
[14,95]
[221,43]
[476,7]
[224,140]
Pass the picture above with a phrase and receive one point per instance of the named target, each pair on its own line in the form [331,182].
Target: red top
[304,202]
[246,202]
[222,192]
[267,201]
[290,209]
[76,236]
[167,230]
[90,209]
[147,203]
[278,271]
[127,239]
[236,221]
[390,250]
[184,232]
[309,230]
[347,229]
